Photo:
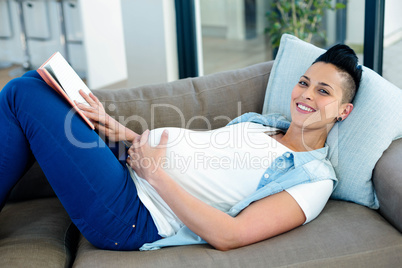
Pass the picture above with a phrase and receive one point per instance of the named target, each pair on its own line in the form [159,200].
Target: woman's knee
[32,74]
[14,86]
[11,87]
[24,82]
[26,89]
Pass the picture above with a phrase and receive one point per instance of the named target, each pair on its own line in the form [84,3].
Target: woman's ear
[345,110]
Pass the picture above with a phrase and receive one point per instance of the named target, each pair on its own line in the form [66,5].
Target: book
[60,76]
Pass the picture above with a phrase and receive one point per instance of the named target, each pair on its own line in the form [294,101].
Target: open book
[58,74]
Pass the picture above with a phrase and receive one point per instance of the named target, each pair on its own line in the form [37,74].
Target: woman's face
[317,98]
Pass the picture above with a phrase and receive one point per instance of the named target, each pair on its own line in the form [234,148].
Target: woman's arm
[102,121]
[263,219]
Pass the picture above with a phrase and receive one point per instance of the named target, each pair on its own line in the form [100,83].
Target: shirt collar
[300,158]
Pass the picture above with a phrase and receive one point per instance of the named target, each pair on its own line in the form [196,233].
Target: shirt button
[266,176]
[287,155]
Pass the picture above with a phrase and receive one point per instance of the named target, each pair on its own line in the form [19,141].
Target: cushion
[338,238]
[356,143]
[37,233]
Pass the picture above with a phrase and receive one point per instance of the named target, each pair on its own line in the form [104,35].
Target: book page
[65,75]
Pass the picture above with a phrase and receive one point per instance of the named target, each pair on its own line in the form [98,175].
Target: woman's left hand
[102,121]
[145,160]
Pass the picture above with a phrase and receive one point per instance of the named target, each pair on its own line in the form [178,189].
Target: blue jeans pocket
[95,237]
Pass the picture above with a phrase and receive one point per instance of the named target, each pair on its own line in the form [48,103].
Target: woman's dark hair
[346,61]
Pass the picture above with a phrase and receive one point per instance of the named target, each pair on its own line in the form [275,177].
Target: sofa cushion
[36,233]
[357,143]
[345,234]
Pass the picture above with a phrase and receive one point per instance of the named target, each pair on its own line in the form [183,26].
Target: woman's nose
[308,94]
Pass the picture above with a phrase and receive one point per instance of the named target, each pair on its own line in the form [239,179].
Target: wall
[150,38]
[223,18]
[104,45]
[262,22]
[85,21]
[392,22]
[41,20]
[355,22]
[226,18]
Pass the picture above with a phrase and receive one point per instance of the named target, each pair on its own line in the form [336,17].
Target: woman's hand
[145,160]
[102,121]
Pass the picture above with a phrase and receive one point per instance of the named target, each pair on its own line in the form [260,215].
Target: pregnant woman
[256,178]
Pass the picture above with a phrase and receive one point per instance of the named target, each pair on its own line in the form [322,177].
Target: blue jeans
[94,187]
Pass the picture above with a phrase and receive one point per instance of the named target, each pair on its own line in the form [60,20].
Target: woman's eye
[324,91]
[302,83]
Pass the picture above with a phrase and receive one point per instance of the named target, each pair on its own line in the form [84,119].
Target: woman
[219,195]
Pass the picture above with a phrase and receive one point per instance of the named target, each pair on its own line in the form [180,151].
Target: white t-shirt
[221,167]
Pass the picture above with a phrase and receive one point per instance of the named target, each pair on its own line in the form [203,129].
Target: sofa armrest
[387,179]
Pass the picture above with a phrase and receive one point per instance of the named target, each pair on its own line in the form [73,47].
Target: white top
[221,167]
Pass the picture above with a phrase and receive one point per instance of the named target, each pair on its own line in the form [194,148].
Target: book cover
[60,76]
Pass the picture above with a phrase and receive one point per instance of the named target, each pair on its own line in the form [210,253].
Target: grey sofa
[35,230]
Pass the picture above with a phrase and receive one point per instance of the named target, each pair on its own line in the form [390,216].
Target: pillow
[356,143]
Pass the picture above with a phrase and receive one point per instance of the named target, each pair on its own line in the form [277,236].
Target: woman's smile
[304,108]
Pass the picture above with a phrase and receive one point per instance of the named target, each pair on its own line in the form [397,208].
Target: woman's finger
[130,161]
[164,139]
[144,137]
[130,150]
[95,99]
[84,107]
[136,143]
[101,119]
[83,94]
[90,114]
[87,98]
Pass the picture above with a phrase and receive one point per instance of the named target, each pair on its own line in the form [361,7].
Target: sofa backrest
[206,102]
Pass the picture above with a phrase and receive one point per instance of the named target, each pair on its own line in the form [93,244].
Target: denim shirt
[288,170]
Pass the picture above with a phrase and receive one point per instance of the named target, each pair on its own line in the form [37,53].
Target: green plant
[299,18]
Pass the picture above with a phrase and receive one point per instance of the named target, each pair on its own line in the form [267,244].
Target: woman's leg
[94,188]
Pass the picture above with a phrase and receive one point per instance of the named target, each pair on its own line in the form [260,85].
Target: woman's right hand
[102,121]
